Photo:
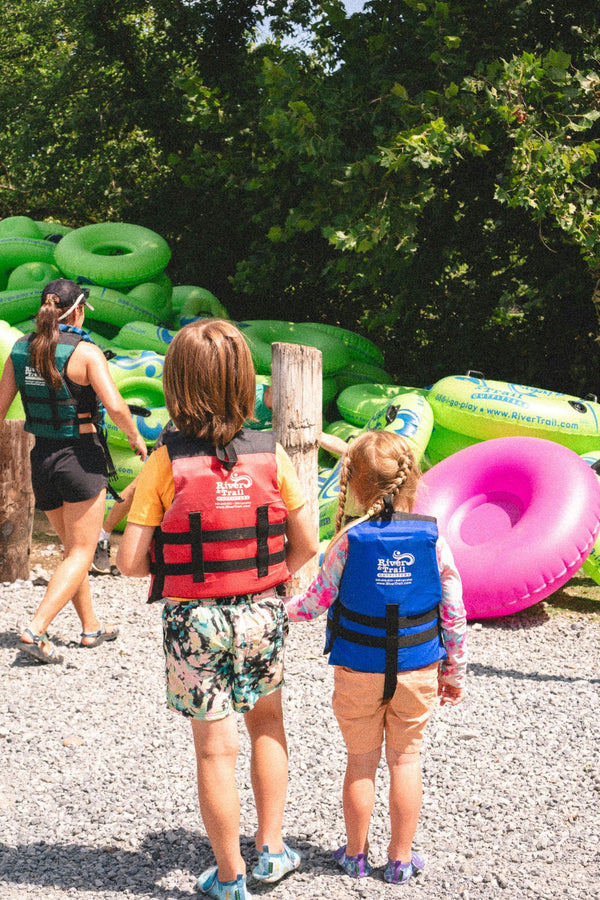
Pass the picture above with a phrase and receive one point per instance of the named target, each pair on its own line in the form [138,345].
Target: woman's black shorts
[67,471]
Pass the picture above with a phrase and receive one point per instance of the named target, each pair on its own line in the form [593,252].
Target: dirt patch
[46,548]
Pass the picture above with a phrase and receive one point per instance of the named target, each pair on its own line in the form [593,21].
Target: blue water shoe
[209,884]
[273,866]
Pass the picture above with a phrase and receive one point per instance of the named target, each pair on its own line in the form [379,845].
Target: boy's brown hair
[209,380]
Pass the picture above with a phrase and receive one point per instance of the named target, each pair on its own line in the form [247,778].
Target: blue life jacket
[386,617]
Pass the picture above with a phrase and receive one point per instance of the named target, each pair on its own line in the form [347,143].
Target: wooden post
[297,380]
[16,501]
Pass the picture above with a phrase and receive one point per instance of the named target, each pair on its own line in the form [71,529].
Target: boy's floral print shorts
[221,658]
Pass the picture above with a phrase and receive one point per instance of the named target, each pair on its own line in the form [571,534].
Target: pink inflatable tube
[520,515]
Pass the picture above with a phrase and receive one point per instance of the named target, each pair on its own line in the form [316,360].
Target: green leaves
[427,170]
[554,155]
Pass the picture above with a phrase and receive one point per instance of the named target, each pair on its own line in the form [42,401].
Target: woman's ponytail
[43,344]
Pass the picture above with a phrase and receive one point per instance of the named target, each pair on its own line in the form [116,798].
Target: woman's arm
[8,388]
[99,377]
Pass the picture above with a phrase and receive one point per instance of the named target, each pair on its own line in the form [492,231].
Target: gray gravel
[97,787]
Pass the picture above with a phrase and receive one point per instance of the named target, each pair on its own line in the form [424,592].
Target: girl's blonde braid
[344,479]
[405,465]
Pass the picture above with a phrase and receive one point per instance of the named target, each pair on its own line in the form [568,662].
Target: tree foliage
[403,144]
[424,171]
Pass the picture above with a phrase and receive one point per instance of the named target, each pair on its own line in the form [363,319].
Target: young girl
[396,632]
[218,518]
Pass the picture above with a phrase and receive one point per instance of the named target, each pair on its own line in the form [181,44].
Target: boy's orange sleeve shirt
[155,488]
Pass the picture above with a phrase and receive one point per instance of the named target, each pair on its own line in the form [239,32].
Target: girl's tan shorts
[364,718]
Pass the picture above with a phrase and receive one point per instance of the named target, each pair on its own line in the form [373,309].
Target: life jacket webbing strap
[158,567]
[381,621]
[54,403]
[111,472]
[212,566]
[224,534]
[333,626]
[391,650]
[196,540]
[66,401]
[227,456]
[379,641]
[72,420]
[262,540]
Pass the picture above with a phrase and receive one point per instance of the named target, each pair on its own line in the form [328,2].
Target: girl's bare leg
[216,746]
[406,796]
[359,798]
[269,769]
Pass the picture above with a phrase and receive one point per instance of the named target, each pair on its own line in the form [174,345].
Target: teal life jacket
[50,413]
[386,617]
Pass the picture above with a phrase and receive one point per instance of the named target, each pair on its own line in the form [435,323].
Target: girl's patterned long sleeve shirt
[325,588]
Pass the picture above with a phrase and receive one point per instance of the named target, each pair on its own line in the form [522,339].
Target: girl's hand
[450,694]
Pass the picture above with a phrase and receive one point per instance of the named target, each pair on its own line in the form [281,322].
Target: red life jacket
[224,534]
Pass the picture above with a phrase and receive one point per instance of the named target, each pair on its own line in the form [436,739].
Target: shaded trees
[426,171]
[456,189]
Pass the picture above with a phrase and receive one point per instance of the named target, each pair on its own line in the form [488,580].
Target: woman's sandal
[35,647]
[100,636]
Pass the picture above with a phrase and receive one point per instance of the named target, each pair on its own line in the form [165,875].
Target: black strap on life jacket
[388,508]
[197,536]
[391,641]
[227,456]
[391,650]
[111,472]
[54,403]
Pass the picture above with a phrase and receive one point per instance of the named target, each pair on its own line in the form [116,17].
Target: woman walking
[63,377]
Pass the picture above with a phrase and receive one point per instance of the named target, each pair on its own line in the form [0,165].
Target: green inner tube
[113,254]
[20,226]
[15,306]
[14,251]
[261,333]
[119,308]
[359,402]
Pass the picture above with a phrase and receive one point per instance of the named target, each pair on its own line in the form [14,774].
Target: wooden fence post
[16,501]
[297,382]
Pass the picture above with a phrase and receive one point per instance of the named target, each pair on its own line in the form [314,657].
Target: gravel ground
[97,787]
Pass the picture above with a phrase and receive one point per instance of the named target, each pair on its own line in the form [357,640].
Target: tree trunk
[16,501]
[297,382]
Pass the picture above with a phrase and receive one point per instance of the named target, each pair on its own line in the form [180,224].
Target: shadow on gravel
[110,868]
[477,669]
[73,867]
[9,639]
